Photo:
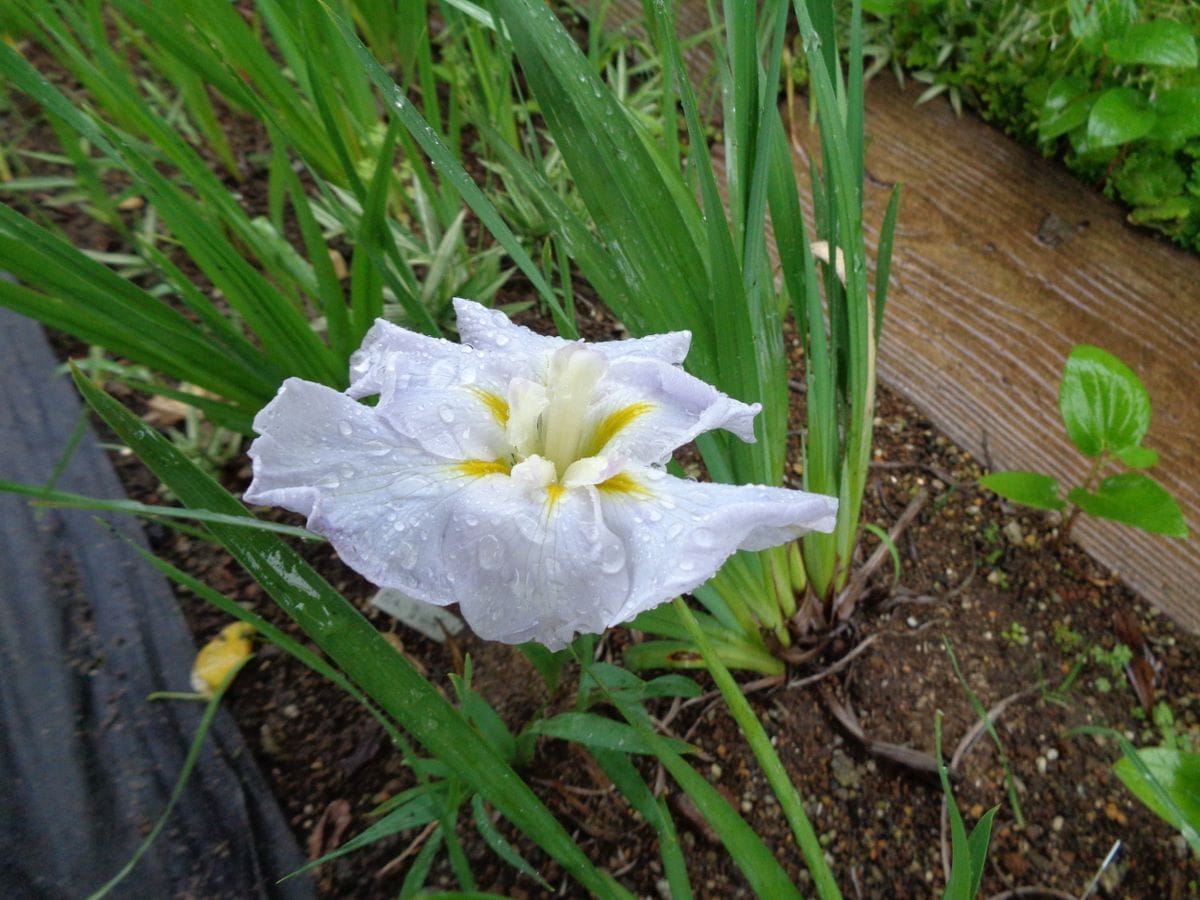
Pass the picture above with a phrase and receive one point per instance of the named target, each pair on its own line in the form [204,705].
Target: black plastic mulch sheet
[87,630]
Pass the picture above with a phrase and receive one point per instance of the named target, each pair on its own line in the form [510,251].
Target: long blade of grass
[756,736]
[641,219]
[762,870]
[883,258]
[726,302]
[501,847]
[54,498]
[622,772]
[451,169]
[329,290]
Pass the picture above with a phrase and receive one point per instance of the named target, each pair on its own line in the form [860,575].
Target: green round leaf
[1067,104]
[1177,112]
[1118,116]
[1103,403]
[1158,43]
[1094,21]
[1138,457]
[1027,488]
[1134,499]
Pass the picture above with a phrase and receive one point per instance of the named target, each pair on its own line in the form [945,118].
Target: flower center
[553,420]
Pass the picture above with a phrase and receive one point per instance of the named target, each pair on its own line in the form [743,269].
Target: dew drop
[612,557]
[501,340]
[446,414]
[344,428]
[442,372]
[686,565]
[653,515]
[704,538]
[491,554]
[406,555]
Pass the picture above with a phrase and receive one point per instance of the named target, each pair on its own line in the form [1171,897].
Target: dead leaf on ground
[327,834]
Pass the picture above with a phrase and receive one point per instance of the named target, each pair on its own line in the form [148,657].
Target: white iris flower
[518,475]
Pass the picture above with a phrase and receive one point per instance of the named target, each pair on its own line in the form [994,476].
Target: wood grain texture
[1003,261]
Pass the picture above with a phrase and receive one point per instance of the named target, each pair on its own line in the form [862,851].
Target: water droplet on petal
[491,553]
[446,414]
[653,515]
[501,340]
[686,565]
[704,538]
[345,429]
[612,557]
[442,373]
[406,555]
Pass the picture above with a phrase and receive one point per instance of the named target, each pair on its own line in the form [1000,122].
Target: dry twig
[894,753]
[837,666]
[844,603]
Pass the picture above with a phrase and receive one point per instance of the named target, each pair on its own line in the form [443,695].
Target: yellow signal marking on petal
[218,656]
[613,423]
[554,493]
[498,406]
[623,484]
[477,468]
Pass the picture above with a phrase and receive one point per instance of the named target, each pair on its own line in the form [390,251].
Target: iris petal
[379,497]
[679,532]
[490,329]
[537,565]
[679,407]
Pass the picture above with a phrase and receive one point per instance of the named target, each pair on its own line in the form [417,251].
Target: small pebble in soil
[844,771]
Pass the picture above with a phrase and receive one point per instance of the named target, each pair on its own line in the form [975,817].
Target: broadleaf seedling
[1106,412]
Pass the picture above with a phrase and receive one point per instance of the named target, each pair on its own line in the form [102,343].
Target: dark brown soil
[987,580]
